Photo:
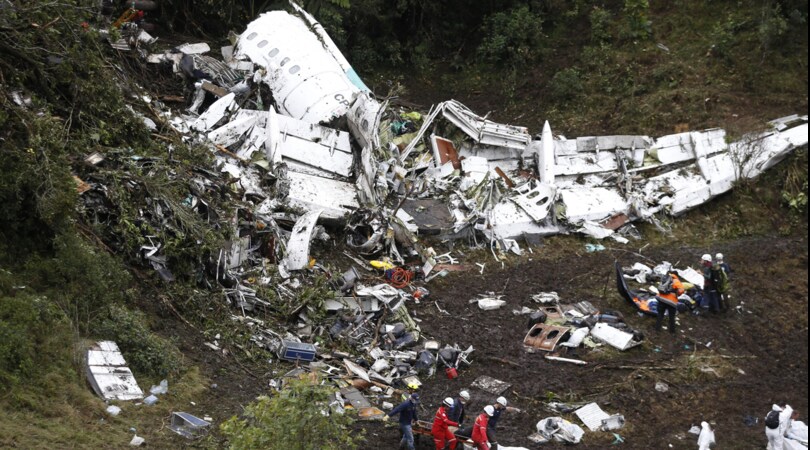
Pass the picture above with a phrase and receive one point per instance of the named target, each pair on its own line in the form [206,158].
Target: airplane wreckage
[341,155]
[337,155]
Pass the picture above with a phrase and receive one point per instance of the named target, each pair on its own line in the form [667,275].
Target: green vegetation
[296,418]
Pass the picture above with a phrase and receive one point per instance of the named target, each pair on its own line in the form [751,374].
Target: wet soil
[750,359]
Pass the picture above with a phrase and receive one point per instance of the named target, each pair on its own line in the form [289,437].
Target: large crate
[296,351]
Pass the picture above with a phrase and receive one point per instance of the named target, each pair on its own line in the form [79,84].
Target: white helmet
[501,401]
[489,410]
[707,257]
[448,401]
[464,395]
[718,256]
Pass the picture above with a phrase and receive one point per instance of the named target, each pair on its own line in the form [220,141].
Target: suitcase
[296,351]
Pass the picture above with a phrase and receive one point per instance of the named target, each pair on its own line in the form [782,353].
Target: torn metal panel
[193,49]
[586,163]
[364,120]
[354,304]
[307,81]
[680,147]
[506,220]
[476,170]
[592,416]
[355,398]
[306,145]
[444,152]
[215,113]
[615,221]
[237,252]
[537,201]
[188,425]
[619,339]
[545,337]
[599,143]
[232,132]
[431,216]
[356,370]
[591,203]
[485,131]
[370,186]
[297,253]
[108,374]
[491,385]
[335,198]
[691,275]
[205,67]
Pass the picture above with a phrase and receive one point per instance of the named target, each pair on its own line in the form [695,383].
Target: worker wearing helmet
[479,434]
[498,408]
[456,413]
[441,433]
[709,287]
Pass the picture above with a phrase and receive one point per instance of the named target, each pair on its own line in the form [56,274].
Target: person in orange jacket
[479,434]
[441,434]
[668,292]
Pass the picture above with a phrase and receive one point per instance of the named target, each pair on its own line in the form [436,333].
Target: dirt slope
[764,351]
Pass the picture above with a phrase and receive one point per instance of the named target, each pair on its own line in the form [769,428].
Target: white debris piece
[194,49]
[576,338]
[546,298]
[335,198]
[560,430]
[592,416]
[691,275]
[619,339]
[108,374]
[297,256]
[706,437]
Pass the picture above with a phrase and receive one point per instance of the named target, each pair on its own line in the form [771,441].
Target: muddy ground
[749,360]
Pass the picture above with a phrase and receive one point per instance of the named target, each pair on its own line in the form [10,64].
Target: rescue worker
[441,433]
[668,292]
[776,434]
[407,416]
[457,413]
[723,274]
[709,289]
[479,434]
[499,407]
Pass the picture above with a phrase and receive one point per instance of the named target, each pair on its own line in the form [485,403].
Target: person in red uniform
[479,434]
[441,434]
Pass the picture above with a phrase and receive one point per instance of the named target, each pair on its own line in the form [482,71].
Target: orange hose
[399,277]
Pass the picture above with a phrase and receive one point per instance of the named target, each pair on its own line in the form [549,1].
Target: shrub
[638,22]
[32,334]
[512,37]
[145,351]
[566,85]
[600,25]
[296,418]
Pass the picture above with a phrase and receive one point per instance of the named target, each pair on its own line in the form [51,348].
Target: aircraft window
[252,36]
[295,69]
[273,52]
[261,44]
[284,62]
